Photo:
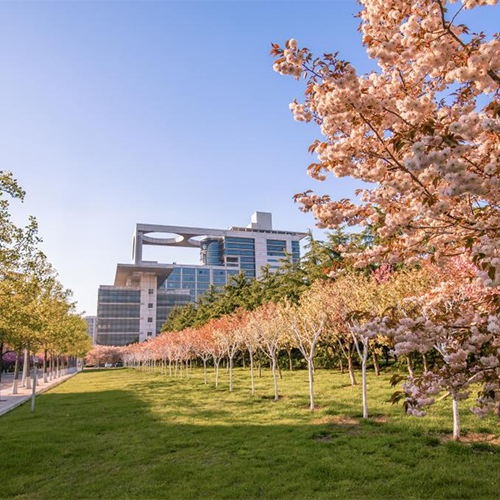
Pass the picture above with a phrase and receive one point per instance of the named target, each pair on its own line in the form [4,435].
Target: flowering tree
[250,339]
[425,131]
[269,323]
[202,346]
[102,354]
[305,324]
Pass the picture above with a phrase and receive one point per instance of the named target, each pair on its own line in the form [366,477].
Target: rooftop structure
[144,292]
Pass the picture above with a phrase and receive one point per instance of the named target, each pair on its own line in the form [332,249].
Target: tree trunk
[33,392]
[16,374]
[205,371]
[341,365]
[311,383]
[375,364]
[410,365]
[251,372]
[45,380]
[279,368]
[25,363]
[170,367]
[426,364]
[217,374]
[231,374]
[260,366]
[363,373]
[28,368]
[350,368]
[290,364]
[456,420]
[187,370]
[276,394]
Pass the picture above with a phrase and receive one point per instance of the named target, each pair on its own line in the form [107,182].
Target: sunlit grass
[128,434]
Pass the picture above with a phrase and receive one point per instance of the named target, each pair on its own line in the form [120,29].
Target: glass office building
[144,292]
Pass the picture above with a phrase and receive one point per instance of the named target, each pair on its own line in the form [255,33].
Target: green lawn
[132,435]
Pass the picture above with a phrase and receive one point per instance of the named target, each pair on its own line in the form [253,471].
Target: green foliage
[286,283]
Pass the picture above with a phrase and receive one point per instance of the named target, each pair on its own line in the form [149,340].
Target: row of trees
[37,315]
[353,315]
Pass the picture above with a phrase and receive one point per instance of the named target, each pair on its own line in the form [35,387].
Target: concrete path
[9,401]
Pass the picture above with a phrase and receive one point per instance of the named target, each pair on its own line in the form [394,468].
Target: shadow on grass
[115,444]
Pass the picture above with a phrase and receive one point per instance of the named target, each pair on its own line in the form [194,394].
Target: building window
[151,291]
[150,320]
[150,305]
[150,334]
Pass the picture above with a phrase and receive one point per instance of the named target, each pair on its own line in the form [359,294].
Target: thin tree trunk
[231,374]
[16,374]
[341,364]
[205,371]
[290,364]
[426,363]
[25,363]
[410,365]
[311,383]
[45,380]
[279,368]
[217,374]
[170,367]
[251,372]
[456,420]
[28,368]
[375,363]
[276,394]
[187,370]
[350,368]
[260,366]
[363,372]
[33,392]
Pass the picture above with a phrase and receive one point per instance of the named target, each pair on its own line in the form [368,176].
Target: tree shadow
[117,444]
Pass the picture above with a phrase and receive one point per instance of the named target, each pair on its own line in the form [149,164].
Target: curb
[41,391]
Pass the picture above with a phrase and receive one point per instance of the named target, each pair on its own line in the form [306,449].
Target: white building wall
[148,282]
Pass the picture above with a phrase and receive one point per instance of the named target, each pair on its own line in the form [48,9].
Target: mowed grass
[133,435]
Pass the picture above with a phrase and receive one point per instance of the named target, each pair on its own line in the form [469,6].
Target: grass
[133,435]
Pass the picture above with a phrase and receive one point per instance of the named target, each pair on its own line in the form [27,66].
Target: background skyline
[113,113]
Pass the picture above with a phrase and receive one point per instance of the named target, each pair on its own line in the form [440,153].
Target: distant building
[92,327]
[144,293]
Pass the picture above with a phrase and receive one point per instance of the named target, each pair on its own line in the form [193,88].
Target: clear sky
[113,113]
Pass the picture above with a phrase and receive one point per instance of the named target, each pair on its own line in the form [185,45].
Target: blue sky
[113,113]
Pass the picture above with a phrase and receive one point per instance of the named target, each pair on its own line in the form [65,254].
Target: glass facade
[244,249]
[195,279]
[295,251]
[276,248]
[166,300]
[118,313]
[212,252]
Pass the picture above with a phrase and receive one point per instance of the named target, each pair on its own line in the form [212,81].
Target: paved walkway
[9,401]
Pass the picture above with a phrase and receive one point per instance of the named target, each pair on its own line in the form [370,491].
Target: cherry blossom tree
[424,132]
[270,326]
[305,324]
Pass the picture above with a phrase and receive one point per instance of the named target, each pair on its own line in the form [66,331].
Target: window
[150,334]
[151,291]
[150,320]
[150,305]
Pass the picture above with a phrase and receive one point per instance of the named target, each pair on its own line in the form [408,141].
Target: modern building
[144,292]
[91,327]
